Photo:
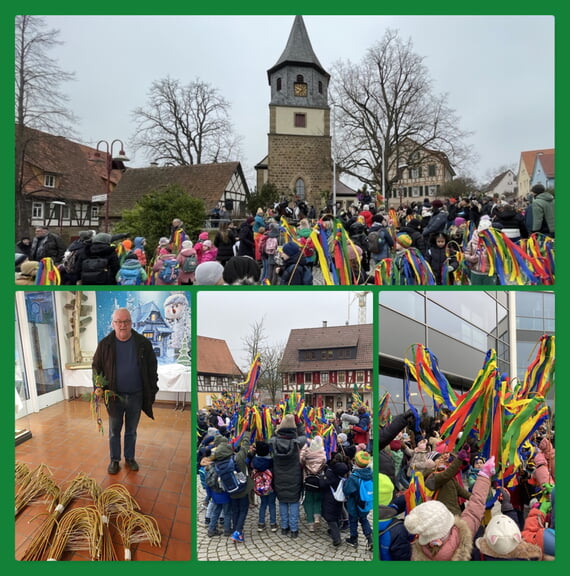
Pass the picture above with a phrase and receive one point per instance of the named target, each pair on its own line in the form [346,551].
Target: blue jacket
[352,488]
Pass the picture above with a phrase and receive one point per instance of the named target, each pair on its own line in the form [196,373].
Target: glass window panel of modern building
[459,328]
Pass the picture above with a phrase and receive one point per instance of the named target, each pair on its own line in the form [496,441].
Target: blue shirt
[129,379]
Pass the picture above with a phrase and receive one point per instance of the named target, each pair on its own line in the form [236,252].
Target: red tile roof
[214,357]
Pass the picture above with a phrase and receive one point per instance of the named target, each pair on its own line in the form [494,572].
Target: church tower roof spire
[298,50]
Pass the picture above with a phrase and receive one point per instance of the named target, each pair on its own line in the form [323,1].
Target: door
[39,339]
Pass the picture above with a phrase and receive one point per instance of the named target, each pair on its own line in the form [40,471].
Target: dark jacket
[331,509]
[387,434]
[511,223]
[436,223]
[287,469]
[104,363]
[246,241]
[414,232]
[291,272]
[103,251]
[49,246]
[225,245]
[394,539]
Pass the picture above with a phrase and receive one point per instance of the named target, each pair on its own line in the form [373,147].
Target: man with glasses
[125,376]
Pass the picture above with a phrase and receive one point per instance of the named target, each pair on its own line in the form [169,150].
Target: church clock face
[300,89]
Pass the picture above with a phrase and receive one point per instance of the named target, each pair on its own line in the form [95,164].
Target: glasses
[121,322]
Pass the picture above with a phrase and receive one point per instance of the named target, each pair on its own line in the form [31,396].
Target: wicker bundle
[135,527]
[78,529]
[22,473]
[38,483]
[81,485]
[114,500]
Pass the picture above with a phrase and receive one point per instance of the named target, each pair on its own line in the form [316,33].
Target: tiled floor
[66,439]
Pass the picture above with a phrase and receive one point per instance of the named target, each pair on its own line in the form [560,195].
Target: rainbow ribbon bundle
[251,380]
[407,268]
[540,247]
[500,416]
[384,413]
[510,262]
[177,239]
[416,492]
[48,273]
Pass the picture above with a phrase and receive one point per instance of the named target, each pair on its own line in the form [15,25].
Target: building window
[341,377]
[300,120]
[320,87]
[300,188]
[432,170]
[432,190]
[360,375]
[308,377]
[324,377]
[49,180]
[323,354]
[300,78]
[278,85]
[37,210]
[415,191]
[94,212]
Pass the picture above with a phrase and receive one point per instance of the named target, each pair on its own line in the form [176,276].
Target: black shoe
[369,542]
[337,543]
[132,464]
[284,531]
[214,533]
[113,467]
[352,542]
[295,534]
[273,527]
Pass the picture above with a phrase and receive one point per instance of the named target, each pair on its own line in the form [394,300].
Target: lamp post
[122,157]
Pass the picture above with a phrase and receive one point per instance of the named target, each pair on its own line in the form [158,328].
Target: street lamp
[401,167]
[60,205]
[121,157]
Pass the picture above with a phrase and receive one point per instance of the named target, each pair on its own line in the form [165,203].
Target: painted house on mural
[60,184]
[149,321]
[215,184]
[217,370]
[526,170]
[328,364]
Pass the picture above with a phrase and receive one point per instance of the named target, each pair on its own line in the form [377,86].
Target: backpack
[312,481]
[375,241]
[338,494]
[169,271]
[69,261]
[262,482]
[307,279]
[212,479]
[385,536]
[190,263]
[95,271]
[130,276]
[231,480]
[270,246]
[365,496]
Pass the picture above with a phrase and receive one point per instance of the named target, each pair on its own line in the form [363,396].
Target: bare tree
[185,125]
[385,107]
[256,340]
[39,103]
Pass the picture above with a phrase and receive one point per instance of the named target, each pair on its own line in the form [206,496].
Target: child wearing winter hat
[358,511]
[313,459]
[441,535]
[209,252]
[262,475]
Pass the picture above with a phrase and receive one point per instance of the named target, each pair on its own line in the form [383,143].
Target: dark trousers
[240,506]
[124,408]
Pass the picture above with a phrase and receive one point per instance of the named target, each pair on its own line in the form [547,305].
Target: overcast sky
[498,71]
[230,316]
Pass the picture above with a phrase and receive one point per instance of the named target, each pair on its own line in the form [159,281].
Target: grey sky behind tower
[497,70]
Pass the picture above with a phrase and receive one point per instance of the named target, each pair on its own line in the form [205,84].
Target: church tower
[299,159]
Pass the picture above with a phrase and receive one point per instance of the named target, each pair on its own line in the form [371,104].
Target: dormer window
[49,180]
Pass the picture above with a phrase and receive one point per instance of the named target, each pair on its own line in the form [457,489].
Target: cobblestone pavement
[273,546]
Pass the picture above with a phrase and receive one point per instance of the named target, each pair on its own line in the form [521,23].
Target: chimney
[324,323]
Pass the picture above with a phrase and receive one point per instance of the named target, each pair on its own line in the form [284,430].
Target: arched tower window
[300,78]
[300,188]
[278,84]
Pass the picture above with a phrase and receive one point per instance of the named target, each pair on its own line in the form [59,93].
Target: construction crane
[361,297]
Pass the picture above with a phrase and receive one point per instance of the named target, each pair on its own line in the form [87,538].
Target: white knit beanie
[430,520]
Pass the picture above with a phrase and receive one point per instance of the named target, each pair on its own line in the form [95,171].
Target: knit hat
[261,448]
[288,421]
[250,220]
[29,268]
[459,221]
[342,438]
[212,431]
[404,240]
[102,237]
[537,189]
[484,223]
[291,249]
[187,244]
[241,269]
[85,235]
[385,490]
[430,520]
[203,236]
[366,207]
[395,445]
[209,273]
[207,243]
[362,459]
[340,469]
[501,536]
[163,241]
[437,204]
[316,444]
